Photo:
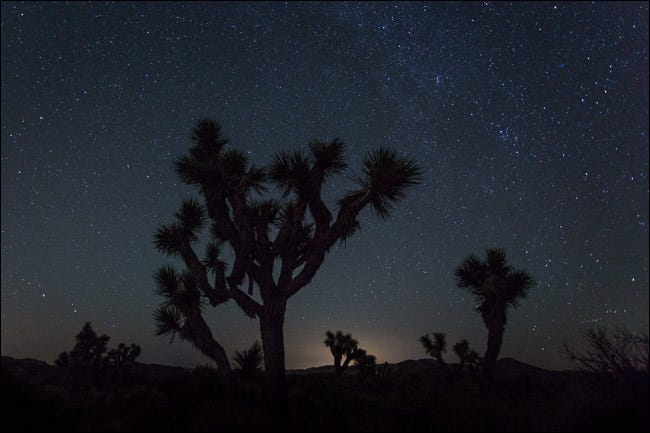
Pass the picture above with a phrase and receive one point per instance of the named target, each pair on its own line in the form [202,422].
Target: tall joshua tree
[435,347]
[497,286]
[230,189]
[341,344]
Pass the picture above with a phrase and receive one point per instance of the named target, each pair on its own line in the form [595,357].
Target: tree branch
[249,305]
[215,295]
[321,244]
[297,213]
[322,216]
[218,212]
[198,332]
[218,294]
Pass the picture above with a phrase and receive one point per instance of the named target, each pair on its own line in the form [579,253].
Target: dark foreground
[409,396]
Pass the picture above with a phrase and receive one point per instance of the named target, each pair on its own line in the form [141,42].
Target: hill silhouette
[412,395]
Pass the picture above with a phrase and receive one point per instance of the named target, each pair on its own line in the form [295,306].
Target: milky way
[529,120]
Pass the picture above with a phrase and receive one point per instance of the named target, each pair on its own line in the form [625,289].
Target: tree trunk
[338,368]
[275,386]
[495,339]
[218,354]
[197,331]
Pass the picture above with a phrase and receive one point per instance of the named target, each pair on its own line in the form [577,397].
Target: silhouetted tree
[123,355]
[385,377]
[497,286]
[250,362]
[86,359]
[341,344]
[89,358]
[473,361]
[63,360]
[307,230]
[620,353]
[461,349]
[117,361]
[436,347]
[366,364]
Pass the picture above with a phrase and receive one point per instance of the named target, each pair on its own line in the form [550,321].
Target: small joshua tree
[473,361]
[88,352]
[436,347]
[89,360]
[366,363]
[123,355]
[341,344]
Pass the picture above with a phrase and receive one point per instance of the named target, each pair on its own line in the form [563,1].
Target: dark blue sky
[530,121]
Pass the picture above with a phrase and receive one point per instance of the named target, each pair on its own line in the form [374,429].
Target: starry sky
[530,121]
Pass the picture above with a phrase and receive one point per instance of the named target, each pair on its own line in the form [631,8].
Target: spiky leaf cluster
[386,177]
[169,321]
[212,259]
[180,290]
[220,173]
[328,158]
[249,362]
[495,283]
[291,171]
[340,344]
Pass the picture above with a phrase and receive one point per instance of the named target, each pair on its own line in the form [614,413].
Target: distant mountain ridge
[408,364]
[508,368]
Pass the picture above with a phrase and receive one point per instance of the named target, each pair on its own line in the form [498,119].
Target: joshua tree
[497,286]
[473,361]
[87,353]
[89,358]
[435,347]
[462,350]
[249,362]
[366,363]
[122,356]
[341,344]
[306,231]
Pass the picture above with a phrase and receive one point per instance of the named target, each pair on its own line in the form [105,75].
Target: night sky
[529,120]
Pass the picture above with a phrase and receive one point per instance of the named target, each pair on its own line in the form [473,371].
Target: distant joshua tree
[497,286]
[122,356]
[89,358]
[461,349]
[473,360]
[306,231]
[366,363]
[436,347]
[341,344]
[250,362]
